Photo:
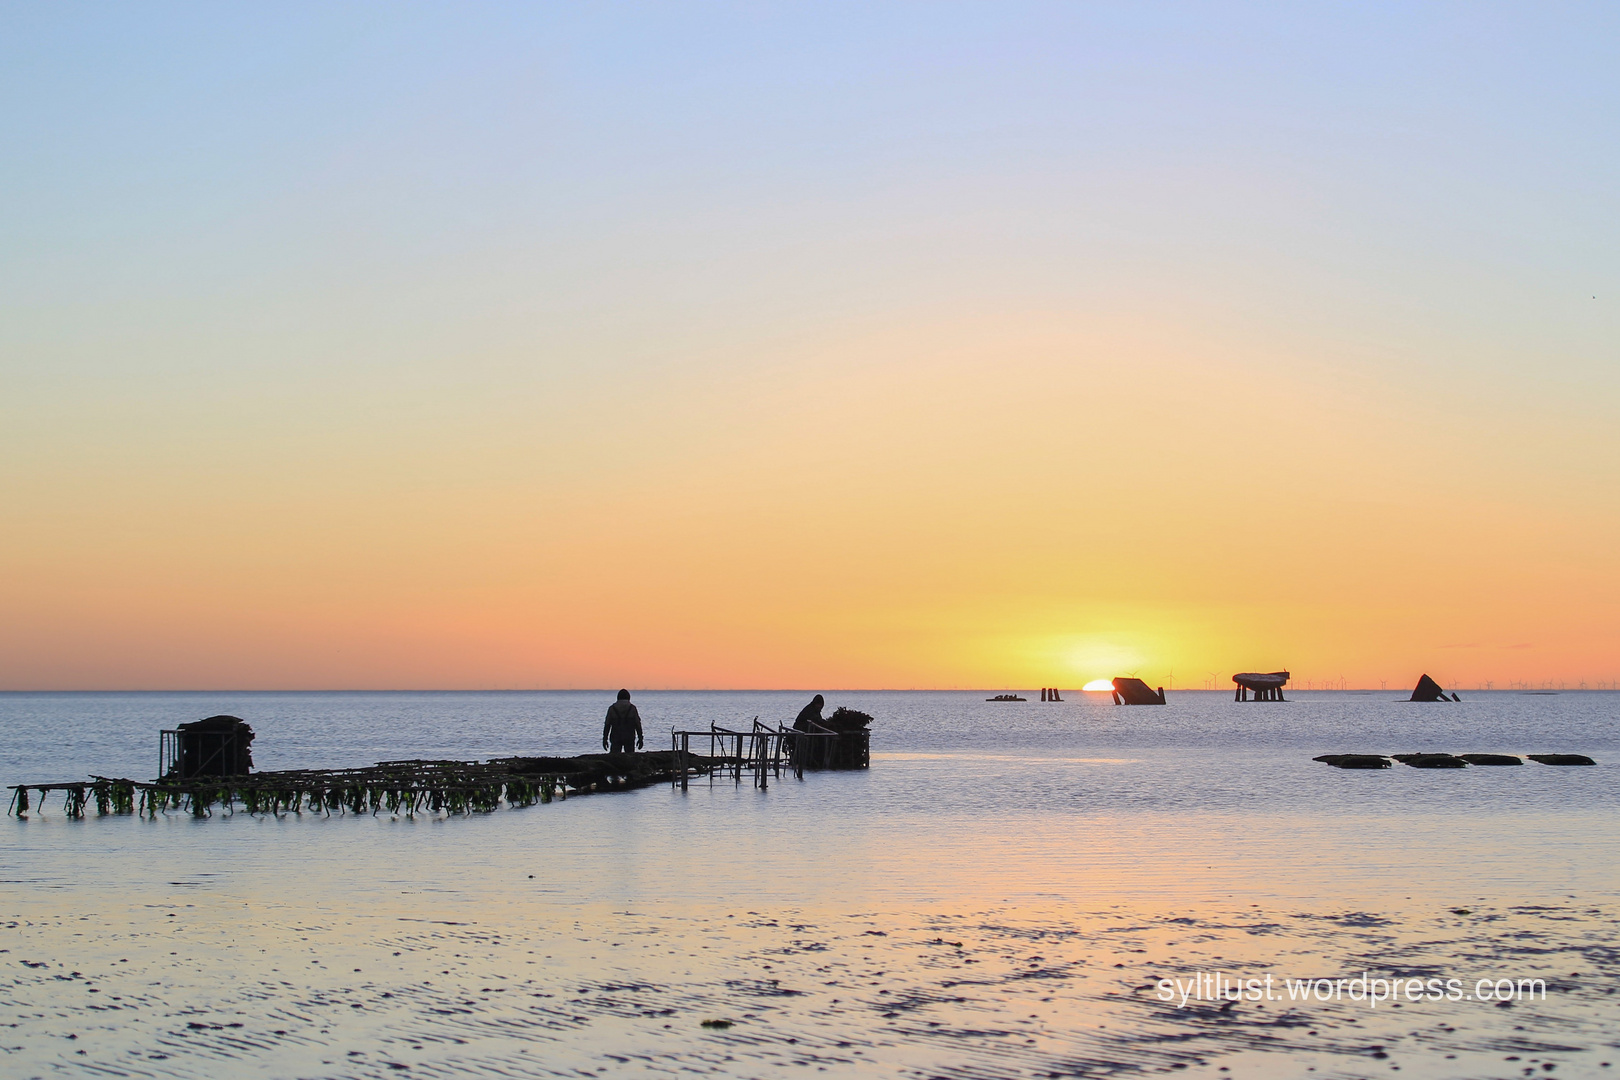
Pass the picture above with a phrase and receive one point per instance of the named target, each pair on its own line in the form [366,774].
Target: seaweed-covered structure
[1429,690]
[214,746]
[845,720]
[1265,687]
[841,741]
[1136,692]
[397,787]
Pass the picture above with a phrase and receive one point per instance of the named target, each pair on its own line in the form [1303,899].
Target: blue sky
[250,253]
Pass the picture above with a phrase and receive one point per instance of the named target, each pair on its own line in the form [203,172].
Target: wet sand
[212,985]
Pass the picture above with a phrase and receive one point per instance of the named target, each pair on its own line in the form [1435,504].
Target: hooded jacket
[623,723]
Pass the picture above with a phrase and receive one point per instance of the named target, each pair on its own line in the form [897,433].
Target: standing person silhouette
[622,727]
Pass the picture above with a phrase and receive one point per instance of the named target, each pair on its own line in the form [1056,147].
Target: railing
[763,752]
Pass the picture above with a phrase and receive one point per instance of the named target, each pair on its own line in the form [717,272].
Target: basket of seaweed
[844,720]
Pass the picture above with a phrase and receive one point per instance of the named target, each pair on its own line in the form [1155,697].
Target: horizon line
[1519,689]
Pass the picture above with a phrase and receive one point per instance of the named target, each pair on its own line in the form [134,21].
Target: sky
[420,345]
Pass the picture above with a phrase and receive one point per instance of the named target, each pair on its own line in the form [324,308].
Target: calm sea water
[992,898]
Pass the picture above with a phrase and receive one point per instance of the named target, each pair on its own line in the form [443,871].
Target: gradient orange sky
[387,347]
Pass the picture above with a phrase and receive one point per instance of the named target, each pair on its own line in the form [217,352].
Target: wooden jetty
[399,787]
[409,788]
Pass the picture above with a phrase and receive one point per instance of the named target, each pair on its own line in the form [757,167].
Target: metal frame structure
[218,748]
[763,751]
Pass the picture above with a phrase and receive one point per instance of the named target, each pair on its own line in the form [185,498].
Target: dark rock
[1431,761]
[1429,690]
[1355,761]
[1561,759]
[1491,759]
[1136,692]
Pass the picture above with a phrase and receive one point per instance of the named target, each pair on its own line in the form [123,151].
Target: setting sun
[1098,684]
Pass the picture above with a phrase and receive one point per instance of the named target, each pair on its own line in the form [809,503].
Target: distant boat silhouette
[1006,697]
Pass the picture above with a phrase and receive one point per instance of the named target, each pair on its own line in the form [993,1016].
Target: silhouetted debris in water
[1129,691]
[1355,761]
[1265,686]
[1429,690]
[1446,761]
[1431,761]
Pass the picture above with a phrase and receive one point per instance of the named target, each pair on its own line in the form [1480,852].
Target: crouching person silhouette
[621,732]
[809,717]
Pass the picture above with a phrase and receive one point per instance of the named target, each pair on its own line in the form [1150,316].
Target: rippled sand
[214,985]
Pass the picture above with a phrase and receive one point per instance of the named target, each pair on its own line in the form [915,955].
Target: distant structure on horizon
[1136,692]
[1429,690]
[1265,687]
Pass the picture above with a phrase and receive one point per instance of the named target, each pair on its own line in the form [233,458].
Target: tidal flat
[1004,893]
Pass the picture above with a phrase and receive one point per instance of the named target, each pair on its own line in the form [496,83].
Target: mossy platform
[397,787]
